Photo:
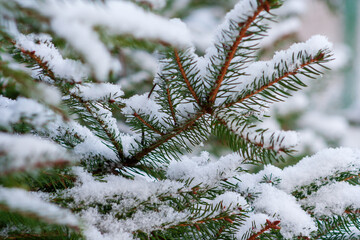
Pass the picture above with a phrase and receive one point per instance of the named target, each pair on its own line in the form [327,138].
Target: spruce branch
[351,177]
[252,150]
[268,226]
[136,158]
[318,58]
[104,127]
[107,132]
[242,34]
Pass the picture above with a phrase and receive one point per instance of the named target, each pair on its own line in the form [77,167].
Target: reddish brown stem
[225,218]
[242,34]
[261,145]
[39,61]
[268,226]
[147,124]
[166,137]
[295,71]
[183,74]
[352,177]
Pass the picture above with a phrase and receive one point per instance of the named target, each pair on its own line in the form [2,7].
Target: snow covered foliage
[100,162]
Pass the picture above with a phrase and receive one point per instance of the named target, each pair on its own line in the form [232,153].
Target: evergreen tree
[79,158]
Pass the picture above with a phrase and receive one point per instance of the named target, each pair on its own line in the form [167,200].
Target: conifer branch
[351,177]
[242,34]
[103,126]
[206,220]
[257,144]
[39,61]
[271,83]
[147,124]
[182,71]
[268,226]
[132,161]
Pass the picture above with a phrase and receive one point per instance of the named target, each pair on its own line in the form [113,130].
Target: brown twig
[39,61]
[295,71]
[196,224]
[165,138]
[242,34]
[147,124]
[183,74]
[268,226]
[261,145]
[352,177]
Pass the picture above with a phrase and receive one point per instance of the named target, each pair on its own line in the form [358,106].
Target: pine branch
[136,158]
[113,140]
[44,65]
[268,226]
[247,139]
[242,34]
[351,177]
[318,58]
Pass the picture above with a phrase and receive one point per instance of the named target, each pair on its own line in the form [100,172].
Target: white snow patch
[23,201]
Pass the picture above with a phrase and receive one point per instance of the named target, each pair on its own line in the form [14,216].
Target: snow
[41,45]
[323,164]
[331,127]
[109,227]
[15,111]
[202,23]
[254,223]
[142,104]
[294,220]
[132,193]
[48,94]
[20,200]
[27,151]
[129,143]
[274,196]
[229,201]
[334,199]
[203,170]
[97,91]
[74,21]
